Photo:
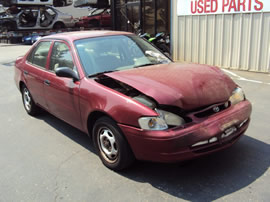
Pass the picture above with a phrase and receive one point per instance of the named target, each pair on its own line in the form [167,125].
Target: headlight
[170,118]
[152,123]
[161,122]
[238,95]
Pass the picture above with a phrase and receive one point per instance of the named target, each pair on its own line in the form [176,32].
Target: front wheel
[111,145]
[28,102]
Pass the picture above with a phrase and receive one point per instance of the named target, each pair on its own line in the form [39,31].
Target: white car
[43,18]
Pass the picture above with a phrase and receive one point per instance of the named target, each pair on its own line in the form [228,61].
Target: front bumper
[175,144]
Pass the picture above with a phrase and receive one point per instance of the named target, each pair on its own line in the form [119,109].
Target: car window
[50,11]
[28,18]
[39,55]
[46,16]
[61,57]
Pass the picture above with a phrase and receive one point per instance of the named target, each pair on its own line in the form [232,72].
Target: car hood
[188,86]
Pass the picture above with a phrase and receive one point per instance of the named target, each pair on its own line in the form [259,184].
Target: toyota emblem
[216,109]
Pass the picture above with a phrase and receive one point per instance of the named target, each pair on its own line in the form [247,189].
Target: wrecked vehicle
[39,18]
[43,18]
[131,99]
[7,20]
[97,18]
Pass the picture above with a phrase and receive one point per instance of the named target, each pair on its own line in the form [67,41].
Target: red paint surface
[104,19]
[187,86]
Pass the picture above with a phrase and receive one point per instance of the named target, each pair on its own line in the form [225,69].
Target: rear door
[34,70]
[62,94]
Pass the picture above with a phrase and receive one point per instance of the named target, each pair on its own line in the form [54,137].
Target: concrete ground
[44,159]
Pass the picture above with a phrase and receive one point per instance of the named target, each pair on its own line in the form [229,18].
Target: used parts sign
[204,7]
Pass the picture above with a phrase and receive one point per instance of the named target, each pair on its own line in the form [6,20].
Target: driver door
[62,94]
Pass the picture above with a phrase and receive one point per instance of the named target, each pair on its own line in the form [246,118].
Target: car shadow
[9,64]
[69,131]
[210,177]
[204,179]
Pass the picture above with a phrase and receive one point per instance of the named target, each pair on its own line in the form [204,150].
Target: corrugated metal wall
[236,41]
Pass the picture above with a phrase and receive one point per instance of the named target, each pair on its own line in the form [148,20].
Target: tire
[111,145]
[28,102]
[58,25]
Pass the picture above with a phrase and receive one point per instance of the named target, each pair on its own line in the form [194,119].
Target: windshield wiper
[147,64]
[100,73]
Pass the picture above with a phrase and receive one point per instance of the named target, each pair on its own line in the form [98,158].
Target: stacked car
[96,18]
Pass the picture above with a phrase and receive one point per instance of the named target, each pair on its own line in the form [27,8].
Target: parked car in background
[43,18]
[7,20]
[130,98]
[35,38]
[31,39]
[37,18]
[96,18]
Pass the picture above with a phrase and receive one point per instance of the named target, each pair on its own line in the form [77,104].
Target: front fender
[123,109]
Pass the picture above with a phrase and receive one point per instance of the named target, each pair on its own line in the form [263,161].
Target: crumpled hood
[188,86]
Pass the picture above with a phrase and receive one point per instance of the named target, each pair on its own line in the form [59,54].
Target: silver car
[43,18]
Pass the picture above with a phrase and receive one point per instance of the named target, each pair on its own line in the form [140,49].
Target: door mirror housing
[67,72]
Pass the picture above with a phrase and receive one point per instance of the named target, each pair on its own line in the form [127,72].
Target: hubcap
[107,145]
[27,99]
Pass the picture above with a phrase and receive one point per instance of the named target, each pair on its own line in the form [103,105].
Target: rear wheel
[111,145]
[58,25]
[28,102]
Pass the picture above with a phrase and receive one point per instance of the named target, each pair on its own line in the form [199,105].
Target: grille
[213,109]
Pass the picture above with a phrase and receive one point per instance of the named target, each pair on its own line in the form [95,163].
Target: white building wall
[237,41]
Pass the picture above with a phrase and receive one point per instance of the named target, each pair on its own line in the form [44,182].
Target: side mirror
[66,72]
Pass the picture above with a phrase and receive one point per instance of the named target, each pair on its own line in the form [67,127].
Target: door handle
[25,72]
[47,82]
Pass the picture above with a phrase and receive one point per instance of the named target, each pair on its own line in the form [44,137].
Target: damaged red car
[133,101]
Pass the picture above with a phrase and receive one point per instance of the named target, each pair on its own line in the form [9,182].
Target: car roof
[72,36]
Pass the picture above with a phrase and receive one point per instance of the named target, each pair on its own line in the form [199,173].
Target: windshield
[96,12]
[114,53]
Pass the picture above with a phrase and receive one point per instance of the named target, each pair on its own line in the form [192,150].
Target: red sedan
[131,99]
[98,18]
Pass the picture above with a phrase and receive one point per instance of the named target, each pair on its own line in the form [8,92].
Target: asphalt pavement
[45,159]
